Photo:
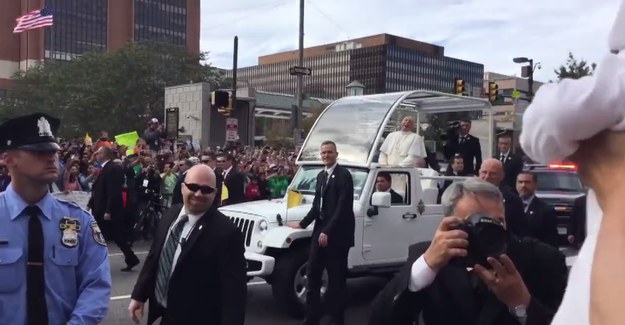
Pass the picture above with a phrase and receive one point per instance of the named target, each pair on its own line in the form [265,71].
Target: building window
[164,21]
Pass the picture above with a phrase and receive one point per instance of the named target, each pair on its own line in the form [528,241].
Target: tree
[117,92]
[574,68]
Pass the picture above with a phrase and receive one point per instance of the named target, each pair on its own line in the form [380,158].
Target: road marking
[121,254]
[120,297]
[128,296]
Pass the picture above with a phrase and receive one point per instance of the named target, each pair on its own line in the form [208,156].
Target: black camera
[487,238]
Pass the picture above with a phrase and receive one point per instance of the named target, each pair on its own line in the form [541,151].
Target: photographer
[148,188]
[459,141]
[446,280]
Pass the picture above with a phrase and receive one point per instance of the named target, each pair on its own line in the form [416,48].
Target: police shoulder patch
[97,233]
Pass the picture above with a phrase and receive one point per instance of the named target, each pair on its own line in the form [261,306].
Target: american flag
[34,19]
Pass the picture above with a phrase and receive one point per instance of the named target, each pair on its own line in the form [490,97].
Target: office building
[509,113]
[382,63]
[82,26]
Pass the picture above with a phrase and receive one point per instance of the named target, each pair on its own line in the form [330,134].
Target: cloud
[491,32]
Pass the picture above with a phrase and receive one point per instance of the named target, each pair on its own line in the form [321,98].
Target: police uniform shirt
[76,267]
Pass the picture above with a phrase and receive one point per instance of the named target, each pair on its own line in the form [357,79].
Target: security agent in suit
[512,163]
[107,206]
[576,230]
[195,272]
[492,172]
[459,141]
[233,179]
[383,183]
[523,286]
[209,159]
[541,218]
[176,197]
[54,267]
[333,235]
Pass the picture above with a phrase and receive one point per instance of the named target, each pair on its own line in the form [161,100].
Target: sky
[491,32]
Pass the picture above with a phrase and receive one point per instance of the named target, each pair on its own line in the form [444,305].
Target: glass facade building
[164,20]
[80,26]
[381,68]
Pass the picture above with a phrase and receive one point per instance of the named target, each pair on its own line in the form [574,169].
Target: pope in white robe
[558,124]
[403,148]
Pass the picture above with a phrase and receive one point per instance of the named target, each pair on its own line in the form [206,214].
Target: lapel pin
[200,228]
[332,176]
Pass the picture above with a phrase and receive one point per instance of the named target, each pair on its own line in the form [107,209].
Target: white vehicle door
[389,232]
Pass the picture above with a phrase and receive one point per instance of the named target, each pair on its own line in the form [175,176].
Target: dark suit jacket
[335,218]
[235,182]
[543,223]
[470,150]
[396,198]
[106,194]
[176,196]
[512,166]
[450,299]
[577,222]
[219,177]
[209,283]
[515,215]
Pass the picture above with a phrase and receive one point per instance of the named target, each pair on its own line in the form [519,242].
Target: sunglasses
[205,189]
[220,161]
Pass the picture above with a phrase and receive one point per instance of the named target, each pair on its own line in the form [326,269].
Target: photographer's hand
[504,281]
[447,243]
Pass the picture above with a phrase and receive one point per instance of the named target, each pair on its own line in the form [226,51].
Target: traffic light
[459,87]
[493,91]
[221,100]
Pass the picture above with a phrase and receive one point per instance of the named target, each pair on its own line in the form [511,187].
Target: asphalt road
[260,306]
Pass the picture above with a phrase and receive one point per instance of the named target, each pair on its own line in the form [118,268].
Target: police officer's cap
[33,132]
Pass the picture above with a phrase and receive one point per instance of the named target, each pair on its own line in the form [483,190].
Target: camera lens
[491,239]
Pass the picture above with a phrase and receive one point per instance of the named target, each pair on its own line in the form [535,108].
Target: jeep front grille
[246,226]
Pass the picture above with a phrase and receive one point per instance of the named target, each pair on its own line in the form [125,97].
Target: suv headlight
[263,225]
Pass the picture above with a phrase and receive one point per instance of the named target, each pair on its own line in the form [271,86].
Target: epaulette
[71,203]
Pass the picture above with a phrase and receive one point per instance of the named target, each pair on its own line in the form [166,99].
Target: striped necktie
[166,261]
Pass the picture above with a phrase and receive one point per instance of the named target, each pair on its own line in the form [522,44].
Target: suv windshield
[558,181]
[306,179]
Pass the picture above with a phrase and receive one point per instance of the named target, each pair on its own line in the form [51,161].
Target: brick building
[82,26]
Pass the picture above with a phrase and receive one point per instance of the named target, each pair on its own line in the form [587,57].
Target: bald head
[201,174]
[492,171]
[198,192]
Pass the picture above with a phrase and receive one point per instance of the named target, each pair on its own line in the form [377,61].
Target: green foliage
[117,92]
[574,68]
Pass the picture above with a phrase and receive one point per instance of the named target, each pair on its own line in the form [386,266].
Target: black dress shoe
[130,265]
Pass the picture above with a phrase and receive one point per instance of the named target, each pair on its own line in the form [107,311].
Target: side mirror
[381,199]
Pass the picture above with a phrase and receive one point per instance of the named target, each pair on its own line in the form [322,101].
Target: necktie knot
[32,211]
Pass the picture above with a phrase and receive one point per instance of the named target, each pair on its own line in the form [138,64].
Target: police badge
[97,234]
[69,228]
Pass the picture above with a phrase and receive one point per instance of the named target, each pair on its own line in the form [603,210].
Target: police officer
[54,267]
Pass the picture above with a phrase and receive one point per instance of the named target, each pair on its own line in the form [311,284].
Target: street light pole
[300,78]
[530,80]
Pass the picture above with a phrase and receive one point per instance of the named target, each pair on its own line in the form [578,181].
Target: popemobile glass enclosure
[359,124]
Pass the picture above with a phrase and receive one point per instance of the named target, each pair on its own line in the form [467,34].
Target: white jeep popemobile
[358,124]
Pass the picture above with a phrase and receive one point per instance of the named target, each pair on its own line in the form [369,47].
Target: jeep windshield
[306,179]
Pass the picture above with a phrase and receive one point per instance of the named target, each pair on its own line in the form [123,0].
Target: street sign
[232,129]
[300,71]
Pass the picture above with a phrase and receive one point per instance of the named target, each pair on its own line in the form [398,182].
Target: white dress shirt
[421,275]
[186,231]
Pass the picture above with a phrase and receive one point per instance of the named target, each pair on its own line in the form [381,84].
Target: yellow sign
[293,199]
[88,140]
[224,192]
[128,140]
[516,94]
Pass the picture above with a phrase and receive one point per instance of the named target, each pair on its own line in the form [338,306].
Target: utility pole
[300,79]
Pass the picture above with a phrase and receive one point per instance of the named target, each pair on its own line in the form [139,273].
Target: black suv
[558,185]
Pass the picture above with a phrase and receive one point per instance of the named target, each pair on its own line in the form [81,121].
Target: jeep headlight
[263,225]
